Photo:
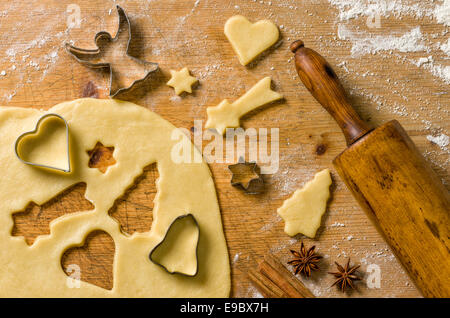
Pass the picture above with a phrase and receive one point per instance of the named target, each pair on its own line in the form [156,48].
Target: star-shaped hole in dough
[181,81]
[101,157]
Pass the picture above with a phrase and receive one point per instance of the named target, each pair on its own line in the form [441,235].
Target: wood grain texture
[322,82]
[177,34]
[389,178]
[406,199]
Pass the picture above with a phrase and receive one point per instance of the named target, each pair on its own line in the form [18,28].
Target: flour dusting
[351,9]
[411,41]
[442,13]
[441,140]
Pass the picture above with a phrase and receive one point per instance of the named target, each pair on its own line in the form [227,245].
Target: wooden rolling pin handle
[320,79]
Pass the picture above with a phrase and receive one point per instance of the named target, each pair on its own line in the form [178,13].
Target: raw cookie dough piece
[139,137]
[249,40]
[303,211]
[181,81]
[227,115]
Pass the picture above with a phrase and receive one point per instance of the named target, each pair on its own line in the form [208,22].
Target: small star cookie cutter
[164,238]
[83,55]
[35,131]
[253,185]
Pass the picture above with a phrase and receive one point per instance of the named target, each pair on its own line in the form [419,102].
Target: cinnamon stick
[286,275]
[276,281]
[267,288]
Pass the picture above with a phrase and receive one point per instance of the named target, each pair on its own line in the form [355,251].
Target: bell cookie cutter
[34,131]
[79,53]
[164,238]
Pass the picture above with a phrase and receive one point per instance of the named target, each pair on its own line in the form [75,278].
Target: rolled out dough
[303,211]
[140,137]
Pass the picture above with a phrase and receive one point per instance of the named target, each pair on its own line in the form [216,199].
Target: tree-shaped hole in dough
[93,261]
[34,220]
[134,209]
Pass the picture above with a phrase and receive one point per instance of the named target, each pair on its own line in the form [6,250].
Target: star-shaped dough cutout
[181,81]
[101,157]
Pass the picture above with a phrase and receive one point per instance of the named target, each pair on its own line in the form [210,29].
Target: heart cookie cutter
[34,131]
[83,55]
[164,238]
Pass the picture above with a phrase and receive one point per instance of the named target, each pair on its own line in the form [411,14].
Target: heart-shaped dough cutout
[250,39]
[37,147]
[177,252]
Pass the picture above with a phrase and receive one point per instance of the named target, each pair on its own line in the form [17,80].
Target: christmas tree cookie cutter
[87,56]
[35,131]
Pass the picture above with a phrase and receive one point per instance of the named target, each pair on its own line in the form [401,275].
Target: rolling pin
[389,178]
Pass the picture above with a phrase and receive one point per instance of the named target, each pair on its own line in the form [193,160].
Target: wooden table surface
[384,85]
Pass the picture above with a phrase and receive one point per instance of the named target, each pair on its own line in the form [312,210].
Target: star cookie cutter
[85,56]
[36,130]
[255,184]
[164,238]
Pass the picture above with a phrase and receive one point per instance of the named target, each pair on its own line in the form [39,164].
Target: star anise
[305,261]
[345,276]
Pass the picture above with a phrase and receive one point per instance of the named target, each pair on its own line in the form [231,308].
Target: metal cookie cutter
[93,58]
[165,236]
[255,184]
[36,129]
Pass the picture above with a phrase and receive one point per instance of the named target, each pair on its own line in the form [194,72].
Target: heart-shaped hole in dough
[94,259]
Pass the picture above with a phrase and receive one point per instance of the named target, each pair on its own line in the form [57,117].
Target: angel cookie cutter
[35,131]
[94,58]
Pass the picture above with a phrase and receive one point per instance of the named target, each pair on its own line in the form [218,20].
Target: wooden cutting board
[40,74]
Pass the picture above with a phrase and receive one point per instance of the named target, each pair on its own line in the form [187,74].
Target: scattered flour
[424,60]
[411,41]
[442,13]
[252,292]
[236,257]
[352,9]
[445,47]
[442,140]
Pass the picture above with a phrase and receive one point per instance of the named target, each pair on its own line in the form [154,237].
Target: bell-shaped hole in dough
[92,262]
[101,157]
[134,209]
[177,252]
[34,220]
